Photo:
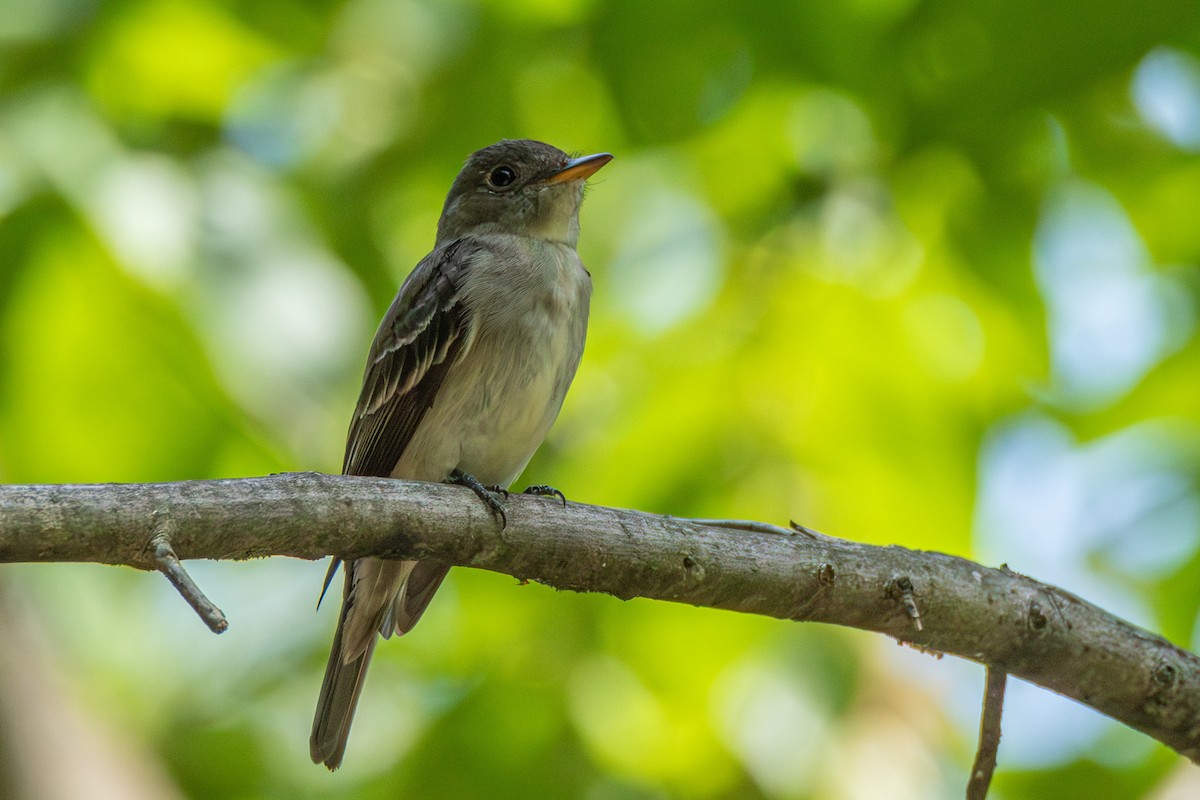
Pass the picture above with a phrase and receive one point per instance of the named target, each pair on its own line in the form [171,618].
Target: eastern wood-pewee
[464,378]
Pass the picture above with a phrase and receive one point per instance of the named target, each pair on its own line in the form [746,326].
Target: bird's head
[519,186]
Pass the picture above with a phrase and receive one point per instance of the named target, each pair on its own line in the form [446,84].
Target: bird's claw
[542,490]
[485,494]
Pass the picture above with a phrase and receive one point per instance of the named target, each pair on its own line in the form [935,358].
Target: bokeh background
[913,271]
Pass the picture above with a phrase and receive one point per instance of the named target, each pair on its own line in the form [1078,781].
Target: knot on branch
[902,587]
[1164,685]
[1036,618]
[1164,676]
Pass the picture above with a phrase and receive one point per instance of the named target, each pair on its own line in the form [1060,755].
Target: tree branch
[931,600]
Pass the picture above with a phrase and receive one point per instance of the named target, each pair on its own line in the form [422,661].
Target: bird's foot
[489,499]
[496,488]
[542,490]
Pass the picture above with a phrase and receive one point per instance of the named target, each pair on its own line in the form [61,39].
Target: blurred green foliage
[914,272]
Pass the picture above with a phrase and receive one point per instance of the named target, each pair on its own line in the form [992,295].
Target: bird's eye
[501,177]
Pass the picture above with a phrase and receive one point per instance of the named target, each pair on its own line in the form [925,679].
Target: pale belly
[498,410]
[499,401]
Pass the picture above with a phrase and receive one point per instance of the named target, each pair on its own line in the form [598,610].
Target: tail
[370,592]
[339,697]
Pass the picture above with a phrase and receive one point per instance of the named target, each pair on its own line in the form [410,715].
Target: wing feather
[424,333]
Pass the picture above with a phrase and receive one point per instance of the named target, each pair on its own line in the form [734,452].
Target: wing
[424,332]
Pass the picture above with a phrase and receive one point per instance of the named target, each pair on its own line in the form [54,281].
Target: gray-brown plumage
[464,378]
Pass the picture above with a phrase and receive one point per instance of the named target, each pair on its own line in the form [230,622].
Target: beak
[579,168]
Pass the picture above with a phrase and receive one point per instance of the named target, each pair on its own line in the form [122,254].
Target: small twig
[741,525]
[811,532]
[168,564]
[989,735]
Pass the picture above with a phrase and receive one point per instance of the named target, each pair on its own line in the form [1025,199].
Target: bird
[465,376]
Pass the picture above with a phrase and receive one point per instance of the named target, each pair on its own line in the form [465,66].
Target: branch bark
[934,601]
